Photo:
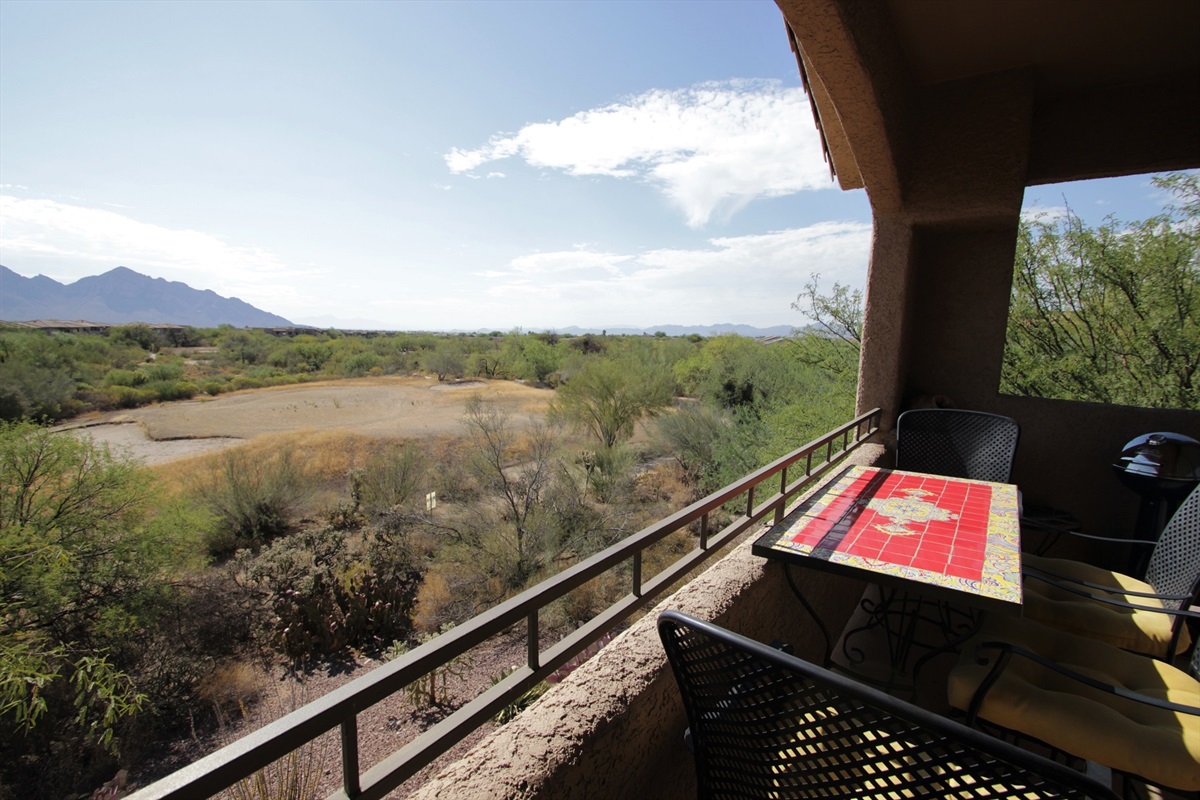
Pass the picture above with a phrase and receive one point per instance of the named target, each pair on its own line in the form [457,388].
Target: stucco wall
[1067,449]
[614,728]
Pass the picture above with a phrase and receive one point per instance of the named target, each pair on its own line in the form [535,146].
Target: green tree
[84,570]
[1109,314]
[446,360]
[835,338]
[518,468]
[606,397]
[244,347]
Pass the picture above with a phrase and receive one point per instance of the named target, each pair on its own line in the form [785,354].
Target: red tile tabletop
[945,533]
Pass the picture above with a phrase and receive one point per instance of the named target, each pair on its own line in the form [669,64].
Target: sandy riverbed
[386,407]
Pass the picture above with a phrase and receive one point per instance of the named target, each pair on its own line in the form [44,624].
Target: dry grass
[232,686]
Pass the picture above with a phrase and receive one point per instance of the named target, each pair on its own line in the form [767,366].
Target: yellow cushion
[1160,745]
[1139,631]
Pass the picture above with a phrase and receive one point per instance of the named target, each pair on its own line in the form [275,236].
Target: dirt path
[387,407]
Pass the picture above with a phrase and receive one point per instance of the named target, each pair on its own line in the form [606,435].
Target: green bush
[390,479]
[163,372]
[360,364]
[252,499]
[129,397]
[172,390]
[88,554]
[125,377]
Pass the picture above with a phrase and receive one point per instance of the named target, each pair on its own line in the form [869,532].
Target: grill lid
[1159,460]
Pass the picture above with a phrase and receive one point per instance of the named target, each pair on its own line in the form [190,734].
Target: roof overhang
[1114,86]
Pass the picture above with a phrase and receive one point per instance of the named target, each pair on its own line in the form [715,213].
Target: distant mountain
[686,330]
[122,295]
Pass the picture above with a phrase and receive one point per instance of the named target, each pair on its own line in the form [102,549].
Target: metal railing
[340,708]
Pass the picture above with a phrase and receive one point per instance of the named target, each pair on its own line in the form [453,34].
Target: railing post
[637,574]
[533,646]
[704,532]
[350,777]
[782,496]
[750,501]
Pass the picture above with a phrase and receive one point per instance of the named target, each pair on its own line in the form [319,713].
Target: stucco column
[882,366]
[941,264]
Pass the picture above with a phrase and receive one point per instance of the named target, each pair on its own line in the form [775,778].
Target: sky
[436,165]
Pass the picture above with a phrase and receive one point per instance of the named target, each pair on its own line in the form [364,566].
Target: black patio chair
[1121,609]
[765,724]
[955,443]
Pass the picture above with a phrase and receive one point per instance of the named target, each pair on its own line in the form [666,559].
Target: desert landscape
[391,407]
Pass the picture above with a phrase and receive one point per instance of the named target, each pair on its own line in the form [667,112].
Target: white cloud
[1035,212]
[84,238]
[745,279]
[711,149]
[568,261]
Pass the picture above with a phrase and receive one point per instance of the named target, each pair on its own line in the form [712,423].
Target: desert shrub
[137,333]
[125,377]
[252,498]
[209,623]
[212,387]
[585,602]
[613,473]
[326,594]
[129,397]
[295,776]
[231,685]
[172,390]
[29,390]
[690,434]
[450,593]
[246,382]
[159,371]
[390,479]
[361,364]
[433,688]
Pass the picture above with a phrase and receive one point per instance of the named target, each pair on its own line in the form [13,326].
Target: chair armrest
[1008,650]
[1111,539]
[1061,582]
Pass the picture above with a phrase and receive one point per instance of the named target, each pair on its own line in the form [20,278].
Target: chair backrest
[1174,567]
[957,444]
[767,724]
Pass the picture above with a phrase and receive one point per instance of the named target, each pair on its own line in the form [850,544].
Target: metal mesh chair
[765,724]
[957,444]
[1172,581]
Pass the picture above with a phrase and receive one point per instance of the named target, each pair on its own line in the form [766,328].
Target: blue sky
[435,166]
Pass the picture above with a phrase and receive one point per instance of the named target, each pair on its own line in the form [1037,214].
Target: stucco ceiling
[1071,45]
[1112,86]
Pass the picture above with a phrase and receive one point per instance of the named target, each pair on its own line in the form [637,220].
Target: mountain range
[121,296]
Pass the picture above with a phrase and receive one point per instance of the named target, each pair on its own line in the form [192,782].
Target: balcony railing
[795,472]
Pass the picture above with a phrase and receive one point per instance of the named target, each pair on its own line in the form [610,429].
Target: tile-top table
[950,537]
